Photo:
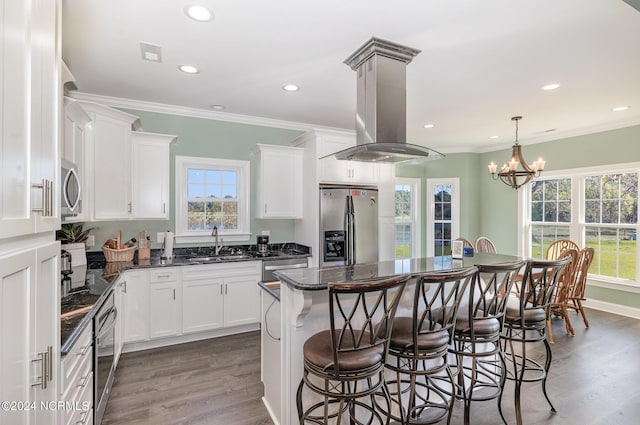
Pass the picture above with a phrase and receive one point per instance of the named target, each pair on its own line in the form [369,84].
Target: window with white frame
[443,217]
[407,220]
[594,207]
[211,193]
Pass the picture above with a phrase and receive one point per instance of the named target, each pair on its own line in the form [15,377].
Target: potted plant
[73,236]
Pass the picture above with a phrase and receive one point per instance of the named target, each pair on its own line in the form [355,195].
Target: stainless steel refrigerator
[348,225]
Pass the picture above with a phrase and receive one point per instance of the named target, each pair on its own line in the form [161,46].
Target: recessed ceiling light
[551,86]
[198,13]
[290,87]
[188,69]
[429,125]
[493,137]
[218,107]
[620,108]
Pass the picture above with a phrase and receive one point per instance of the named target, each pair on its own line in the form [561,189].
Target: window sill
[238,237]
[617,285]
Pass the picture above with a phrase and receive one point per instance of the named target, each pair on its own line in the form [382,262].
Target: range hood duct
[381,114]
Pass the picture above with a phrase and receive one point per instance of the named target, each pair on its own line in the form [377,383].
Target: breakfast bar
[304,311]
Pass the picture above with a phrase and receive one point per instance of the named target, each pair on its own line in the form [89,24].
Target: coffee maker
[263,244]
[65,270]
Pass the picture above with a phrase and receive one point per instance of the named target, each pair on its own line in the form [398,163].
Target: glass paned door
[442,219]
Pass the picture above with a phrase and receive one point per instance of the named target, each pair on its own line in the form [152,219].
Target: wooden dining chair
[465,242]
[555,249]
[484,244]
[562,297]
[580,271]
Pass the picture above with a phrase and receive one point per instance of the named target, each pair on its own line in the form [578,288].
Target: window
[407,221]
[443,218]
[211,193]
[595,207]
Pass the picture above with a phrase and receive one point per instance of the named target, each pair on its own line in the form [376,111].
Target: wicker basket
[114,255]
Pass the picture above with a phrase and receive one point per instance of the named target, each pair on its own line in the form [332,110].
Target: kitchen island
[304,311]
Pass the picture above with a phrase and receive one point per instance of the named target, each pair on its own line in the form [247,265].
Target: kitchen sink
[219,258]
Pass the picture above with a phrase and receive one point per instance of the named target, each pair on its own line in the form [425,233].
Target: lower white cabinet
[29,331]
[166,302]
[135,307]
[77,381]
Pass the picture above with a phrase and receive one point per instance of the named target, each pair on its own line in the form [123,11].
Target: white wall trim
[622,310]
[141,105]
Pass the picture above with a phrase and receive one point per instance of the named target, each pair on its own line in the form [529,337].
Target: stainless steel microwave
[70,190]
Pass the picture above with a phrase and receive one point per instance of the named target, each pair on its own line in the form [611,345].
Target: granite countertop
[271,288]
[316,279]
[93,282]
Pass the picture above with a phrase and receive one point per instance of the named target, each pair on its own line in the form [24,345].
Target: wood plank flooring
[594,380]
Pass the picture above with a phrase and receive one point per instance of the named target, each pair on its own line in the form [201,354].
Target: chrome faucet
[216,247]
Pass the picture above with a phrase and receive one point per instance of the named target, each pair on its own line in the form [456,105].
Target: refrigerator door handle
[350,225]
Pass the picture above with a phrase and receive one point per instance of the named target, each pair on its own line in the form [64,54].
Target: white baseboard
[622,310]
[273,417]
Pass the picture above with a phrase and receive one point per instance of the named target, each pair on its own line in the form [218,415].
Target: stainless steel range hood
[381,115]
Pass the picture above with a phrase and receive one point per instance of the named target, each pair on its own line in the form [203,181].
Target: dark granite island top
[316,279]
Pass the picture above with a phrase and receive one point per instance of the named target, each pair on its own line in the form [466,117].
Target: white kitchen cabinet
[150,175]
[241,300]
[331,170]
[29,112]
[202,300]
[164,301]
[279,181]
[29,329]
[108,185]
[135,305]
[77,380]
[75,119]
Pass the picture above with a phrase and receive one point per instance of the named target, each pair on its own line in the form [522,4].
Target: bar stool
[480,364]
[344,365]
[526,322]
[419,345]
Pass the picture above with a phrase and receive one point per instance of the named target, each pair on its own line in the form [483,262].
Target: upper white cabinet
[331,170]
[29,113]
[75,119]
[279,181]
[150,175]
[126,172]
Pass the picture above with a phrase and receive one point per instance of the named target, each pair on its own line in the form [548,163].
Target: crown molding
[141,105]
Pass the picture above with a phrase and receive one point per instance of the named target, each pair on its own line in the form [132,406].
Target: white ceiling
[481,62]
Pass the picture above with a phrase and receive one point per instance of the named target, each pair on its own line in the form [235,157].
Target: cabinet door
[44,112]
[241,300]
[202,305]
[17,273]
[150,175]
[111,168]
[45,327]
[136,306]
[15,181]
[279,182]
[163,310]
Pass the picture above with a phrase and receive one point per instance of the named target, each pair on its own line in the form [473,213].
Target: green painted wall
[203,138]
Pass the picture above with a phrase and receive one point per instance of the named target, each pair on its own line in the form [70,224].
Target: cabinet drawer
[79,410]
[76,359]
[163,275]
[208,271]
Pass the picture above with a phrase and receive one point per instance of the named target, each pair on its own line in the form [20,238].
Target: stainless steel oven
[104,348]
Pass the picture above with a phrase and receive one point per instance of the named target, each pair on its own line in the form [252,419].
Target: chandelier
[516,173]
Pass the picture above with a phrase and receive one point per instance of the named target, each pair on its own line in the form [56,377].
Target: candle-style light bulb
[493,167]
[541,163]
[513,164]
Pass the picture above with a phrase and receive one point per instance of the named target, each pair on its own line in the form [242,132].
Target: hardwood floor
[594,380]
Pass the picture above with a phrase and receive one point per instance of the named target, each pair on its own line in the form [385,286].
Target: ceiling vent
[151,52]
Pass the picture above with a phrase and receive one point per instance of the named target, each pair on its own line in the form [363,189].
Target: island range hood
[381,115]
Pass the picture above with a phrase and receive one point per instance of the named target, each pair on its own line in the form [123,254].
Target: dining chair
[479,362]
[525,322]
[484,244]
[563,293]
[580,271]
[555,249]
[344,365]
[418,349]
[465,242]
